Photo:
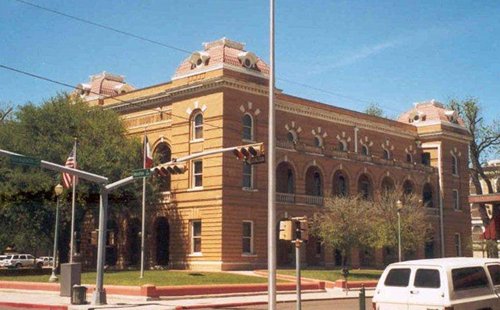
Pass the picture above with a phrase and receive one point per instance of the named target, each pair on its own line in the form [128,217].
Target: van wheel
[39,265]
[18,265]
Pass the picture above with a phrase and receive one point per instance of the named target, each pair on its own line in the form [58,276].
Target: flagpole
[143,206]
[71,244]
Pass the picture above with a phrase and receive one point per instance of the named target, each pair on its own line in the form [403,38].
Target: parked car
[458,283]
[18,261]
[44,261]
[2,257]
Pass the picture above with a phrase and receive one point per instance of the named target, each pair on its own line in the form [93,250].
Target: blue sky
[393,53]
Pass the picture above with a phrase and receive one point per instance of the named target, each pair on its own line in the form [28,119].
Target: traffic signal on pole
[286,230]
[169,169]
[252,154]
[303,229]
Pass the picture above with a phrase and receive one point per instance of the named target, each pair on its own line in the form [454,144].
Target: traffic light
[303,228]
[286,230]
[169,169]
[253,153]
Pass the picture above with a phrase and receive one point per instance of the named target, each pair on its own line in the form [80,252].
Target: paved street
[338,304]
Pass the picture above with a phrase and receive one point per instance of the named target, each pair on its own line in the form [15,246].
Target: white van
[458,283]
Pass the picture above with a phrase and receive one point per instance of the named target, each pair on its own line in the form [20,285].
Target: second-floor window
[364,150]
[247,127]
[456,201]
[386,155]
[197,173]
[197,125]
[454,165]
[247,176]
[247,237]
[426,159]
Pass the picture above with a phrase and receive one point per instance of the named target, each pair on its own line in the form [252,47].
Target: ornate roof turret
[103,85]
[222,53]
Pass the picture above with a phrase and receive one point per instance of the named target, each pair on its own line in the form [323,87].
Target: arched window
[386,155]
[498,185]
[454,165]
[247,127]
[197,125]
[409,159]
[342,146]
[427,195]
[318,142]
[291,136]
[314,182]
[340,184]
[365,187]
[364,150]
[163,154]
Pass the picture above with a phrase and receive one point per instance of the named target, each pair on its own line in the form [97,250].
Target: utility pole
[271,178]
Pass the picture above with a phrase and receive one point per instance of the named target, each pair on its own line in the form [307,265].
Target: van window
[427,278]
[398,277]
[495,274]
[469,278]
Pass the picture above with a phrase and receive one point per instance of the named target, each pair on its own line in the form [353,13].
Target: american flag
[70,163]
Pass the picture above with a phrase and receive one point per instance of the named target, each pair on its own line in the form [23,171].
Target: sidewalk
[45,300]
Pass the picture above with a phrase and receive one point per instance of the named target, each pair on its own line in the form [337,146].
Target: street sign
[24,161]
[259,159]
[141,173]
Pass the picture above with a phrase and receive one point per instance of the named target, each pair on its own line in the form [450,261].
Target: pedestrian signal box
[286,230]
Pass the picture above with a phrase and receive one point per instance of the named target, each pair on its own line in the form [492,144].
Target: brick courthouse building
[214,216]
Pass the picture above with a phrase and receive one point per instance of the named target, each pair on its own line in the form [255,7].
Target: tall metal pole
[399,235]
[53,277]
[73,200]
[298,244]
[143,209]
[271,183]
[99,296]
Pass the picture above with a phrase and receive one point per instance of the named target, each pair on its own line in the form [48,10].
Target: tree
[375,110]
[27,202]
[485,141]
[414,226]
[345,224]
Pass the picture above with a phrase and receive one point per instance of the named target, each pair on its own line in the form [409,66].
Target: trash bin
[79,295]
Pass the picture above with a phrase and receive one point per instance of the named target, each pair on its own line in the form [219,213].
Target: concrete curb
[24,306]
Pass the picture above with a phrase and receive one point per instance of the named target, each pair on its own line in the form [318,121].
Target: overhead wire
[172,47]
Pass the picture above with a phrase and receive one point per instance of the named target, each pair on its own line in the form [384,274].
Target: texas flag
[148,156]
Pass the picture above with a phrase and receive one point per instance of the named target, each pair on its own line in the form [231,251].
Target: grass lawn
[156,277]
[335,274]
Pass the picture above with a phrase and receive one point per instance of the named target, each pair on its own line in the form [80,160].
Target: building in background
[214,216]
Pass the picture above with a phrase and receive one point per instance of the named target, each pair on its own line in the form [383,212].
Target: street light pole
[399,206]
[58,191]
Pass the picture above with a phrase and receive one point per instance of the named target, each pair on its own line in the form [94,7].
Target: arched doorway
[285,178]
[387,186]
[365,188]
[340,184]
[314,182]
[407,187]
[162,241]
[134,241]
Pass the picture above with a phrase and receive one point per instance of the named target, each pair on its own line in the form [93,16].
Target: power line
[104,27]
[94,93]
[142,38]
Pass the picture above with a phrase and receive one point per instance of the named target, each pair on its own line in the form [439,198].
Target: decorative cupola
[103,85]
[431,112]
[222,54]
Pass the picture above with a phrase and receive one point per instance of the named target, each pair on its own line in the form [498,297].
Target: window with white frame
[197,125]
[247,237]
[197,173]
[458,245]
[247,175]
[456,201]
[454,165]
[196,236]
[247,127]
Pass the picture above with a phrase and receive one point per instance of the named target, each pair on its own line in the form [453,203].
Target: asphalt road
[337,304]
